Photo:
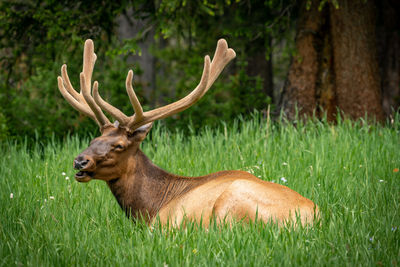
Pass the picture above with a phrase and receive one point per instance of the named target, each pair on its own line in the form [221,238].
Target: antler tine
[89,58]
[90,101]
[83,101]
[177,106]
[75,102]
[67,82]
[221,58]
[132,96]
[113,111]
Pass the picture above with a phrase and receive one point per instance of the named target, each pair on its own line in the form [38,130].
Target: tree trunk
[129,29]
[389,49]
[336,65]
[300,87]
[355,58]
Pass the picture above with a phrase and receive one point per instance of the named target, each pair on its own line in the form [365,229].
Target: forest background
[303,58]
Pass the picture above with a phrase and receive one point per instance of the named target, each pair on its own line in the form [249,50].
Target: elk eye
[118,147]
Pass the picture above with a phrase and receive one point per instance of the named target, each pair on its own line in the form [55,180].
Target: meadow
[350,170]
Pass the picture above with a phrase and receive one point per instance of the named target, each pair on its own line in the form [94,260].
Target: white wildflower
[63,173]
[319,184]
[51,198]
[285,164]
[11,195]
[381,181]
[283,179]
[67,178]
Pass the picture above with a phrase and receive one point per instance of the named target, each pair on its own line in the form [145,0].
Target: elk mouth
[84,176]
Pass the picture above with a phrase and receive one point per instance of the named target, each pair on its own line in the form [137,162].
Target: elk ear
[140,133]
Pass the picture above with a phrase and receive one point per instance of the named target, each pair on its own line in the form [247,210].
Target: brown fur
[144,190]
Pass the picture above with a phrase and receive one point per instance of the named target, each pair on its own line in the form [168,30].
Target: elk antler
[91,105]
[83,101]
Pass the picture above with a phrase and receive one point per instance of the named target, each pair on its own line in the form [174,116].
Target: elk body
[143,189]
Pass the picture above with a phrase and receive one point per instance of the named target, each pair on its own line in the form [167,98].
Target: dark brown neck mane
[148,188]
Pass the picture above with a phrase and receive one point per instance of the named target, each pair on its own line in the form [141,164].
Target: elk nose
[81,162]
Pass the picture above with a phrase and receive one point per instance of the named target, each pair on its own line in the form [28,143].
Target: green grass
[347,169]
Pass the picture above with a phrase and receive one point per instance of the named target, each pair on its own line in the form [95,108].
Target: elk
[144,190]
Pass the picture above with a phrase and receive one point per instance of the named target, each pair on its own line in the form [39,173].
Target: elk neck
[145,188]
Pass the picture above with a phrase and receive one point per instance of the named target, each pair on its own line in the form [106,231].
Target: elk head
[110,155]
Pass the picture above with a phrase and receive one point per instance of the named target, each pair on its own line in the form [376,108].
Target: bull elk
[142,188]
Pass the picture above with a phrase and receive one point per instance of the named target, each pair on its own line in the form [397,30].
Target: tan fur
[144,190]
[238,195]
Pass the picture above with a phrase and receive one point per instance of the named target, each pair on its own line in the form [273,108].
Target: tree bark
[336,65]
[300,87]
[355,58]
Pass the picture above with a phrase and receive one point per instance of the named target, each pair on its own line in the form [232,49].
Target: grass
[349,170]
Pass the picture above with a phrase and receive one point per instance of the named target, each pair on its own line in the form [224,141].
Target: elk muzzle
[85,164]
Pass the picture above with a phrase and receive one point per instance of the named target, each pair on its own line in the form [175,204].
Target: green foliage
[348,169]
[190,30]
[230,96]
[37,37]
[4,132]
